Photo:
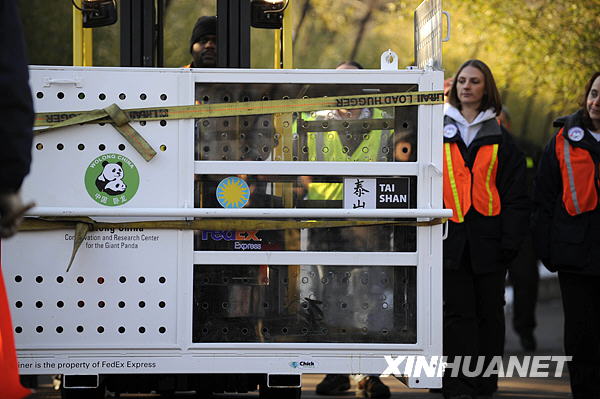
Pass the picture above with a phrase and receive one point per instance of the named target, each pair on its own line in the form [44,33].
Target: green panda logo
[112,179]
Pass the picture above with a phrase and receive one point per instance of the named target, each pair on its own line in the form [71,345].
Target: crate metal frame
[174,351]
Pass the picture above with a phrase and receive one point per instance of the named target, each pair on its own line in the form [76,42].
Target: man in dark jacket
[16,113]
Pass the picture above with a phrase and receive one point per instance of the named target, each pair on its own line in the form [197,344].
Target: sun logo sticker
[233,192]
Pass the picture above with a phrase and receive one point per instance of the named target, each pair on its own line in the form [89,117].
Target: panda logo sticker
[112,179]
[233,192]
[450,131]
[575,133]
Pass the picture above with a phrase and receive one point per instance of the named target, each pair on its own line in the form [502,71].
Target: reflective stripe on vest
[463,187]
[577,170]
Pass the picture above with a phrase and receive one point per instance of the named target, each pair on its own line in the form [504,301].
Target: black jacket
[564,242]
[492,240]
[16,108]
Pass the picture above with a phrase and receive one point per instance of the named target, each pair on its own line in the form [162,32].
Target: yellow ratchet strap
[111,114]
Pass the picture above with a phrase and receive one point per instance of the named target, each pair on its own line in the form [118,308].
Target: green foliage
[541,51]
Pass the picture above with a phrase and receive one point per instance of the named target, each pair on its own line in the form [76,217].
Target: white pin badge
[450,131]
[575,133]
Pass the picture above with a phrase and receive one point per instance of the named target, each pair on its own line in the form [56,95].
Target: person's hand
[12,211]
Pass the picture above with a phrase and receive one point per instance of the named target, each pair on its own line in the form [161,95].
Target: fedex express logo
[238,236]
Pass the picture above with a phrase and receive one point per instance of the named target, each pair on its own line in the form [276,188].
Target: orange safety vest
[577,170]
[463,187]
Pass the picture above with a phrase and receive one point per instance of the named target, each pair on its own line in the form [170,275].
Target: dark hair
[587,121]
[353,63]
[491,96]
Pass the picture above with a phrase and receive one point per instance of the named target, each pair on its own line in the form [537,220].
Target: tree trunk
[361,29]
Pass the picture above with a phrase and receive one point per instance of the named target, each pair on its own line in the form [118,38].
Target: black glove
[12,211]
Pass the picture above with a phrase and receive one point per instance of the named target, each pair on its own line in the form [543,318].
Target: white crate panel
[97,292]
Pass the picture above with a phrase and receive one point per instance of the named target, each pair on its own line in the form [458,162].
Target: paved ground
[548,333]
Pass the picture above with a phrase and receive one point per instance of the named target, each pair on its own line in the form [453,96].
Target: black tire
[279,393]
[83,393]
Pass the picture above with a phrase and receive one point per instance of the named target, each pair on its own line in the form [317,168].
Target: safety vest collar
[490,132]
[576,134]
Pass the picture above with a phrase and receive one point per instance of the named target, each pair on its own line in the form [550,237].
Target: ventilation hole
[19,304]
[304,330]
[225,148]
[39,146]
[265,305]
[100,280]
[102,123]
[162,280]
[265,123]
[142,279]
[226,99]
[122,147]
[163,147]
[122,96]
[205,99]
[60,146]
[163,97]
[81,96]
[162,304]
[286,97]
[81,304]
[39,279]
[162,330]
[163,123]
[405,125]
[142,304]
[59,329]
[81,147]
[143,96]
[60,279]
[142,123]
[80,279]
[142,330]
[18,278]
[206,148]
[39,304]
[121,329]
[60,95]
[102,96]
[79,329]
[39,329]
[18,329]
[284,330]
[265,98]
[122,279]
[101,304]
[245,99]
[225,305]
[205,330]
[100,329]
[102,147]
[225,330]
[205,306]
[244,331]
[121,304]
[39,94]
[60,304]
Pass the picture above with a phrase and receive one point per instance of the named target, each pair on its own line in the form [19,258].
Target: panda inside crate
[110,180]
